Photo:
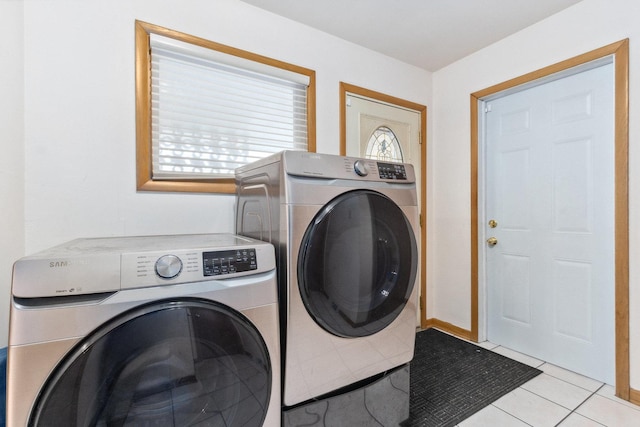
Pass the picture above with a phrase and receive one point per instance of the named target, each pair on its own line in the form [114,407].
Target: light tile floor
[556,397]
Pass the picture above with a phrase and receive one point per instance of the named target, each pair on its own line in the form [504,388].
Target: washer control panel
[226,262]
[144,269]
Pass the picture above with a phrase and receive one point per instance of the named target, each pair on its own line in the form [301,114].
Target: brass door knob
[492,241]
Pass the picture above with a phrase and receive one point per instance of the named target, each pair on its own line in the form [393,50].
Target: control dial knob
[361,168]
[168,266]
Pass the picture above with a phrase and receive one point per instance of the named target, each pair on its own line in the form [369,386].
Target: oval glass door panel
[169,363]
[383,145]
[357,264]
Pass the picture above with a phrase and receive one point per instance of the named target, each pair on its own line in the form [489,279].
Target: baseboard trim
[449,328]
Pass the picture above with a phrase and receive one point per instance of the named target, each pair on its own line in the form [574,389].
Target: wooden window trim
[144,176]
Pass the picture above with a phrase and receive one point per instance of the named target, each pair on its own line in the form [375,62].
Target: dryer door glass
[169,363]
[357,264]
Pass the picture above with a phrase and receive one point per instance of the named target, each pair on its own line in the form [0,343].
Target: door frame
[620,53]
[422,109]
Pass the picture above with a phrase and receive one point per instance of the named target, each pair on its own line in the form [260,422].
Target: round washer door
[171,363]
[357,264]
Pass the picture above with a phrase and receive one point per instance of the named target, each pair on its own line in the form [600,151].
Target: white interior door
[365,120]
[550,190]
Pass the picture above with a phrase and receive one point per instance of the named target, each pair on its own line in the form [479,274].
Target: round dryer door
[170,363]
[357,264]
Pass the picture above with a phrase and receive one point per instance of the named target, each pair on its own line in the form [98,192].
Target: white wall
[12,143]
[586,26]
[79,113]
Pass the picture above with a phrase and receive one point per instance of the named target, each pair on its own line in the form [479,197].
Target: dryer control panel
[326,166]
[392,171]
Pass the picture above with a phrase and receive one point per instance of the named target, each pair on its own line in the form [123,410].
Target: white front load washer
[136,331]
[344,230]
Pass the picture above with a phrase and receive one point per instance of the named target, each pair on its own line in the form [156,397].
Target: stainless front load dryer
[345,236]
[159,330]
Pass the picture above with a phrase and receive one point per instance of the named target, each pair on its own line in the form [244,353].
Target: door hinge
[420,220]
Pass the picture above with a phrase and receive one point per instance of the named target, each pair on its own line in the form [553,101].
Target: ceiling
[429,34]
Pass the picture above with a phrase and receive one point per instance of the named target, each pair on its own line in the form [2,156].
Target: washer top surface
[102,245]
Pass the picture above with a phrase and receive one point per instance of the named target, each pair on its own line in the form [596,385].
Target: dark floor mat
[452,379]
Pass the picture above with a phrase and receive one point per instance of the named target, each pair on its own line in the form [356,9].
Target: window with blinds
[208,109]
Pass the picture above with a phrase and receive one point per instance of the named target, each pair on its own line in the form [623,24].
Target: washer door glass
[169,363]
[357,264]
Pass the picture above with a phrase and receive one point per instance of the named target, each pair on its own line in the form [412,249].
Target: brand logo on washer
[57,264]
[67,263]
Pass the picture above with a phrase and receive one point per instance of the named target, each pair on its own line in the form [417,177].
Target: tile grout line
[511,415]
[582,403]
[571,411]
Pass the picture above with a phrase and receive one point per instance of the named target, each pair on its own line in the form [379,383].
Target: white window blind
[212,112]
